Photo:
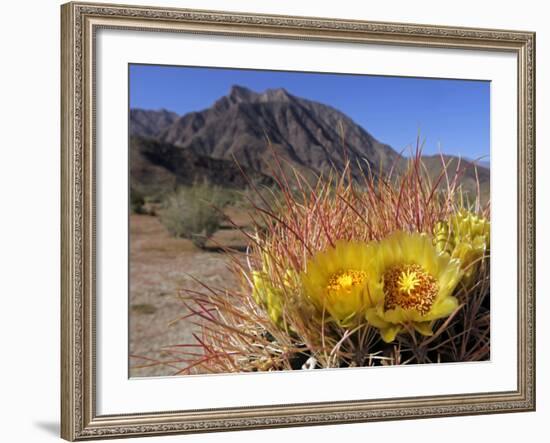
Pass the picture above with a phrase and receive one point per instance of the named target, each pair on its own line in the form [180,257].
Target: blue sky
[452,113]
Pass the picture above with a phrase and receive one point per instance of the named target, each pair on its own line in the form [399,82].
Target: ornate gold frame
[79,420]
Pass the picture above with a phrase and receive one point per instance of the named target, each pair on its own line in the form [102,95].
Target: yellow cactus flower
[269,292]
[268,296]
[338,281]
[415,288]
[465,237]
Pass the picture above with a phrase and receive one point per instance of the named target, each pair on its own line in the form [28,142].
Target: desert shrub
[193,212]
[137,202]
[227,196]
[260,197]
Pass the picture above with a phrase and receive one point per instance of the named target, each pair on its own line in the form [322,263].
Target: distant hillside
[150,123]
[248,127]
[157,167]
[469,172]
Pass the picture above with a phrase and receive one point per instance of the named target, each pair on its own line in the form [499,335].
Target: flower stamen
[346,280]
[408,281]
[410,287]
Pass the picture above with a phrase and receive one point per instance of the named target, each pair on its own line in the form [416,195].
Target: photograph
[288,220]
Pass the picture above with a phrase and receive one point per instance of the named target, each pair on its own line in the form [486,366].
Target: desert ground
[161,267]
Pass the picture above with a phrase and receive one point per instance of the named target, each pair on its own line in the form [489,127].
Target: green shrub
[193,212]
[137,202]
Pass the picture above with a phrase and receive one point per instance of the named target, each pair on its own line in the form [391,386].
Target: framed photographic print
[280,221]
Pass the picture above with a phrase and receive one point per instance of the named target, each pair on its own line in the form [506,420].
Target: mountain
[250,127]
[259,131]
[150,123]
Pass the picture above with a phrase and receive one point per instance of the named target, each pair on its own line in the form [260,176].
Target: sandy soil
[160,266]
